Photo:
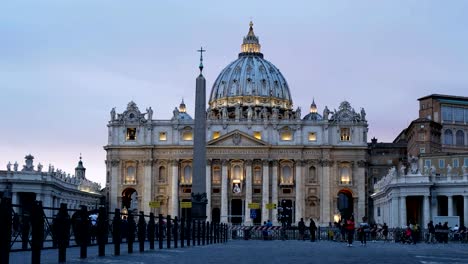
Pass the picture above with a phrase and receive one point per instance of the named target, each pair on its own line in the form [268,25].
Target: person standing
[301,227]
[312,229]
[363,230]
[385,231]
[431,230]
[350,230]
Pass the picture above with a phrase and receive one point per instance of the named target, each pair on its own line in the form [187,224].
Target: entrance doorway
[414,210]
[236,211]
[186,213]
[345,204]
[216,215]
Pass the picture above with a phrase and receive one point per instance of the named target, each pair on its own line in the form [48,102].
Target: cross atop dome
[250,44]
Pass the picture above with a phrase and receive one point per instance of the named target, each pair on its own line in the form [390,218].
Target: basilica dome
[250,81]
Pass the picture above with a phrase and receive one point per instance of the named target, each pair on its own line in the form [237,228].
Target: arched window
[312,174]
[345,175]
[187,178]
[286,175]
[237,173]
[448,137]
[460,138]
[130,178]
[257,175]
[162,174]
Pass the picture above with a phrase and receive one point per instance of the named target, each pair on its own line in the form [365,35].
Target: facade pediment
[237,138]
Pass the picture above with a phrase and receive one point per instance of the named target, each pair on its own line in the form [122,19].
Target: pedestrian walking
[312,229]
[363,230]
[301,227]
[385,232]
[350,230]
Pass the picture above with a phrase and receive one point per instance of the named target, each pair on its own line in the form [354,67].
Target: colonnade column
[394,220]
[208,190]
[465,210]
[265,190]
[427,211]
[248,192]
[403,220]
[299,192]
[360,178]
[434,206]
[174,203]
[325,192]
[224,184]
[274,191]
[450,205]
[147,185]
[115,180]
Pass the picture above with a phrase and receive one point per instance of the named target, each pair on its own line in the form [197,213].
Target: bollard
[198,233]
[116,232]
[101,231]
[203,233]
[62,226]
[151,230]
[168,231]
[189,232]
[182,232]
[83,223]
[216,230]
[37,232]
[5,229]
[211,233]
[131,232]
[176,230]
[194,227]
[141,231]
[160,230]
[207,232]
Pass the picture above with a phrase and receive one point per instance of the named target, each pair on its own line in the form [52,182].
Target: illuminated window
[217,175]
[286,175]
[345,175]
[344,134]
[257,134]
[286,135]
[187,135]
[257,175]
[216,134]
[312,136]
[162,136]
[187,176]
[130,178]
[131,133]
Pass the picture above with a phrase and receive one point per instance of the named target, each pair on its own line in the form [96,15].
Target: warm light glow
[312,136]
[345,177]
[162,136]
[236,181]
[286,136]
[345,135]
[257,134]
[216,134]
[187,135]
[336,218]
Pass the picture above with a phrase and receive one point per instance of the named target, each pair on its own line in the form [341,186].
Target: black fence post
[102,231]
[176,231]
[212,233]
[37,224]
[5,229]
[217,233]
[182,232]
[141,231]
[62,229]
[131,232]
[116,232]
[194,227]
[189,231]
[207,232]
[198,233]
[203,234]
[168,231]
[160,230]
[83,223]
[151,230]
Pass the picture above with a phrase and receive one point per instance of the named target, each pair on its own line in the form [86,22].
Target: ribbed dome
[250,81]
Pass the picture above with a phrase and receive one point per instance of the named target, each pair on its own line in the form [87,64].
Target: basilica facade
[261,152]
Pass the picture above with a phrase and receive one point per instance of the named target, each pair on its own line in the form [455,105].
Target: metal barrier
[29,229]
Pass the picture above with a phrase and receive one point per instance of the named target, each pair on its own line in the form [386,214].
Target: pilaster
[248,192]
[148,170]
[299,192]
[224,194]
[265,190]
[274,190]
[174,203]
[208,189]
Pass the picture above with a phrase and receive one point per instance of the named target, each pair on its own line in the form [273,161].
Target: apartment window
[257,134]
[448,137]
[312,136]
[458,114]
[421,136]
[422,150]
[378,211]
[465,162]
[162,136]
[447,115]
[131,133]
[460,138]
[427,163]
[455,163]
[441,163]
[216,134]
[344,134]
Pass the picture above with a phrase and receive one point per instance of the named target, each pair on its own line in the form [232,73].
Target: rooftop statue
[112,113]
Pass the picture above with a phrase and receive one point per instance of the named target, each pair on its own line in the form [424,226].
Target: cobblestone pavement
[272,252]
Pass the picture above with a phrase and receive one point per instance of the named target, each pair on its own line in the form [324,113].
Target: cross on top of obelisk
[201,50]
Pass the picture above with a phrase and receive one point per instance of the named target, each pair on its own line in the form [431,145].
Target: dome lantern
[250,43]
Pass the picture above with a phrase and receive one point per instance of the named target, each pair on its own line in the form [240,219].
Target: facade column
[325,192]
[248,192]
[14,198]
[299,192]
[147,185]
[434,206]
[115,180]
[274,191]
[450,205]
[427,211]
[265,190]
[360,178]
[174,203]
[208,190]
[465,210]
[403,220]
[224,194]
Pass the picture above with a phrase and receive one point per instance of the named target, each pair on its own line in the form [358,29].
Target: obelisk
[199,198]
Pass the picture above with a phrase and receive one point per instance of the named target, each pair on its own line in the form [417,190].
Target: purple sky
[65,64]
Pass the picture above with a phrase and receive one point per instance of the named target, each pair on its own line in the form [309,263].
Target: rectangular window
[421,136]
[187,135]
[378,211]
[455,163]
[286,136]
[441,163]
[465,162]
[257,134]
[427,163]
[162,136]
[422,150]
[216,134]
[131,134]
[466,115]
[447,114]
[345,135]
[458,113]
[312,136]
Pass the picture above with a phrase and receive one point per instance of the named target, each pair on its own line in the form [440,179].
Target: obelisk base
[199,202]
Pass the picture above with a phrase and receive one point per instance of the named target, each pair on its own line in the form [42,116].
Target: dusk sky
[65,64]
